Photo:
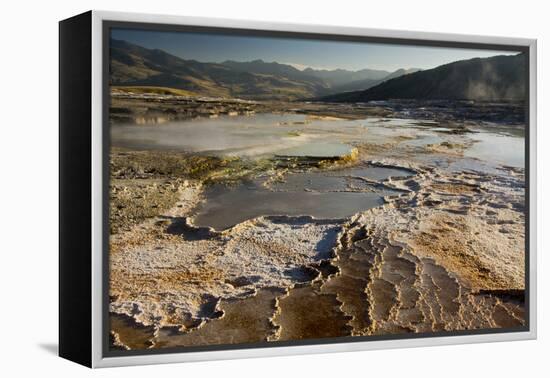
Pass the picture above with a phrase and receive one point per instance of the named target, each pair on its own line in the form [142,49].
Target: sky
[300,53]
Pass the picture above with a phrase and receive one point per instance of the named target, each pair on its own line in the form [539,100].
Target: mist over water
[266,135]
[259,135]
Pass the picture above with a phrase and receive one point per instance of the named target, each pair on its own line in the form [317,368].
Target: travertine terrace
[444,251]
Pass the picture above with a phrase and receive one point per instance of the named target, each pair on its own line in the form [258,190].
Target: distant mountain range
[495,78]
[133,65]
[339,77]
[367,83]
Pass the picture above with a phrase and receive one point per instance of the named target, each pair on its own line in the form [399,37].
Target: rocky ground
[146,108]
[445,253]
[142,108]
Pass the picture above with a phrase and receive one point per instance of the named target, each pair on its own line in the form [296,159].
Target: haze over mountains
[496,78]
[133,65]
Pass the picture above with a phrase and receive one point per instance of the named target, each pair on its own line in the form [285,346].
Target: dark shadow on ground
[179,226]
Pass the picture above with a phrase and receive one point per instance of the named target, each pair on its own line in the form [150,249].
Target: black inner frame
[106,33]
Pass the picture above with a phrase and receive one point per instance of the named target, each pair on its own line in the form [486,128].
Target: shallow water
[320,150]
[331,194]
[227,207]
[322,195]
[269,134]
[338,180]
[498,148]
[258,135]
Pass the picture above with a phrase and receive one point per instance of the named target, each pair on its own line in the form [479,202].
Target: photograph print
[272,188]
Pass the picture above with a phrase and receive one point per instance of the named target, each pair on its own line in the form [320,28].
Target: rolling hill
[495,78]
[133,65]
[136,66]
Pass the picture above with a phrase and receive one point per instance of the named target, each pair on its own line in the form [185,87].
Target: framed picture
[233,189]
